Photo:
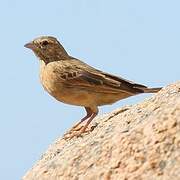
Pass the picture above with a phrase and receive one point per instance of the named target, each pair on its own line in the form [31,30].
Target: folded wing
[85,77]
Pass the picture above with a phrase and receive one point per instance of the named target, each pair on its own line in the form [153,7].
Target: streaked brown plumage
[74,82]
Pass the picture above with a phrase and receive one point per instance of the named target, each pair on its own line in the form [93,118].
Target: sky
[138,40]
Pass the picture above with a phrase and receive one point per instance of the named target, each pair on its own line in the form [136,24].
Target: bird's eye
[44,43]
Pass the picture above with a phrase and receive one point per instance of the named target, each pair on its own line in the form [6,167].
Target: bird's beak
[30,45]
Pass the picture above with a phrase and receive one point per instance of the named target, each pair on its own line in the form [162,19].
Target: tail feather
[151,90]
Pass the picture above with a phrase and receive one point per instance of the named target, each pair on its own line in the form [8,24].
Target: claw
[69,135]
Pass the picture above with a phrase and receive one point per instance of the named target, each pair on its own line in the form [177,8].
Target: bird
[71,81]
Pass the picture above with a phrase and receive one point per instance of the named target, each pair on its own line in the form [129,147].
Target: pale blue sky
[139,40]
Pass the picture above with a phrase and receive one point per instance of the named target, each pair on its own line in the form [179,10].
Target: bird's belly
[75,97]
[85,98]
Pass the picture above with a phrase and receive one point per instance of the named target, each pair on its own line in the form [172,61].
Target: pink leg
[89,114]
[78,131]
[88,122]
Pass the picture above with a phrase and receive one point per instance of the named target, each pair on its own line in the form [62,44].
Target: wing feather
[76,73]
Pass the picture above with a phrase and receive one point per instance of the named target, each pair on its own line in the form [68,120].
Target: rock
[134,142]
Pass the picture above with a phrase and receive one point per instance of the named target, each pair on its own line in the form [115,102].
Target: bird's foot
[76,128]
[70,135]
[76,132]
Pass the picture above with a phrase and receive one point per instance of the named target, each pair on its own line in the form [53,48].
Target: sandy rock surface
[139,142]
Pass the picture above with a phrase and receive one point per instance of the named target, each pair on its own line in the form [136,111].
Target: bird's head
[48,49]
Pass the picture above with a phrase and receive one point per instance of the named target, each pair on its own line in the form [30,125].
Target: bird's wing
[78,74]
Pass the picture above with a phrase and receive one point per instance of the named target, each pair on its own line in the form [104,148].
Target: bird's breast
[48,78]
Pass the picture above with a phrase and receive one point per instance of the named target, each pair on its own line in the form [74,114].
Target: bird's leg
[89,114]
[88,122]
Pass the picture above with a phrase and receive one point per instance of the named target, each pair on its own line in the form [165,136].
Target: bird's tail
[151,90]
